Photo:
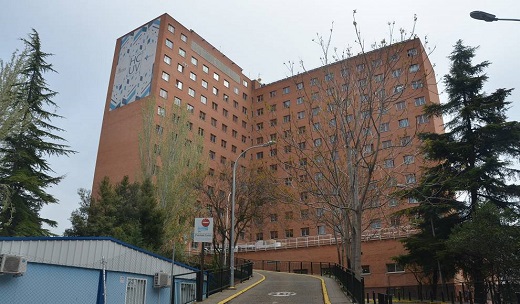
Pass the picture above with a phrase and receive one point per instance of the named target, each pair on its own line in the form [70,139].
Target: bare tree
[350,124]
[172,157]
[256,190]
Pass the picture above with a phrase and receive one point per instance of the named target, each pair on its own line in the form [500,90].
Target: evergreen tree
[23,167]
[126,211]
[472,162]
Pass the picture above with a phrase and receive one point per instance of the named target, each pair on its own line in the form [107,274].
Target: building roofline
[92,238]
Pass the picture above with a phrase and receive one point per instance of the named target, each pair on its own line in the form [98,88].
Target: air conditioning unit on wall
[161,279]
[12,264]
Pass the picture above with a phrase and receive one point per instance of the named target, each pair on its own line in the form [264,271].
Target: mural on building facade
[133,75]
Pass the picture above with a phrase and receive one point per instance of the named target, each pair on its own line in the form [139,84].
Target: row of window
[289,233]
[390,268]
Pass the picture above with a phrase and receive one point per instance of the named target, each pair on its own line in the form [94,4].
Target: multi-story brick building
[370,105]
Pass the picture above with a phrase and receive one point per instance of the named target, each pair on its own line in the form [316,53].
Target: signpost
[203,233]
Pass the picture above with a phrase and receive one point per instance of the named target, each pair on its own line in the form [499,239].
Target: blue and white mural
[133,76]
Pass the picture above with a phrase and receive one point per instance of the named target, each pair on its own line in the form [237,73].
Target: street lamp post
[480,15]
[232,228]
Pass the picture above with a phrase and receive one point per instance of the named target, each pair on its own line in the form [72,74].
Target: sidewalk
[336,295]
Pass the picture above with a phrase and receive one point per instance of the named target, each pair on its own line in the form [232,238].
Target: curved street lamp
[232,229]
[480,15]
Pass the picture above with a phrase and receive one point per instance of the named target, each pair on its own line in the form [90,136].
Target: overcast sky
[260,36]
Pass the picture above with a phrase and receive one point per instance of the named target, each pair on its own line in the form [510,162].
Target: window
[321,230]
[414,68]
[214,106]
[178,84]
[299,100]
[394,57]
[405,141]
[392,202]
[314,81]
[365,269]
[224,128]
[244,83]
[417,84]
[194,61]
[215,91]
[244,138]
[412,200]
[189,108]
[159,129]
[163,93]
[259,126]
[289,233]
[161,111]
[394,267]
[398,88]
[368,148]
[273,122]
[226,83]
[184,38]
[223,143]
[360,67]
[299,86]
[244,124]
[273,217]
[273,234]
[244,110]
[305,231]
[223,160]
[384,127]
[422,119]
[273,152]
[260,112]
[204,84]
[191,92]
[300,115]
[287,104]
[385,144]
[259,236]
[316,126]
[317,142]
[287,149]
[377,62]
[375,224]
[182,52]
[301,145]
[213,122]
[379,78]
[234,133]
[329,76]
[401,105]
[213,138]
[203,99]
[135,290]
[403,123]
[408,159]
[287,118]
[193,76]
[171,29]
[177,101]
[389,163]
[410,178]
[286,90]
[200,131]
[419,101]
[225,112]
[165,76]
[216,76]
[411,52]
[169,43]
[205,69]
[235,118]
[396,73]
[362,82]
[235,90]
[167,60]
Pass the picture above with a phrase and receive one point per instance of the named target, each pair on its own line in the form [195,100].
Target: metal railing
[326,239]
[354,287]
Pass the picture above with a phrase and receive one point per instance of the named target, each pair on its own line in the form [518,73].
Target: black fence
[354,287]
[194,285]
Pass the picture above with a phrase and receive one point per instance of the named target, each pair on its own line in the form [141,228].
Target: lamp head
[480,15]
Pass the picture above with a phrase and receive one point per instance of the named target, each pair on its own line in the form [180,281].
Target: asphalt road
[280,287]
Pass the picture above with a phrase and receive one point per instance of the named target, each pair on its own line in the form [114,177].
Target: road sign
[203,231]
